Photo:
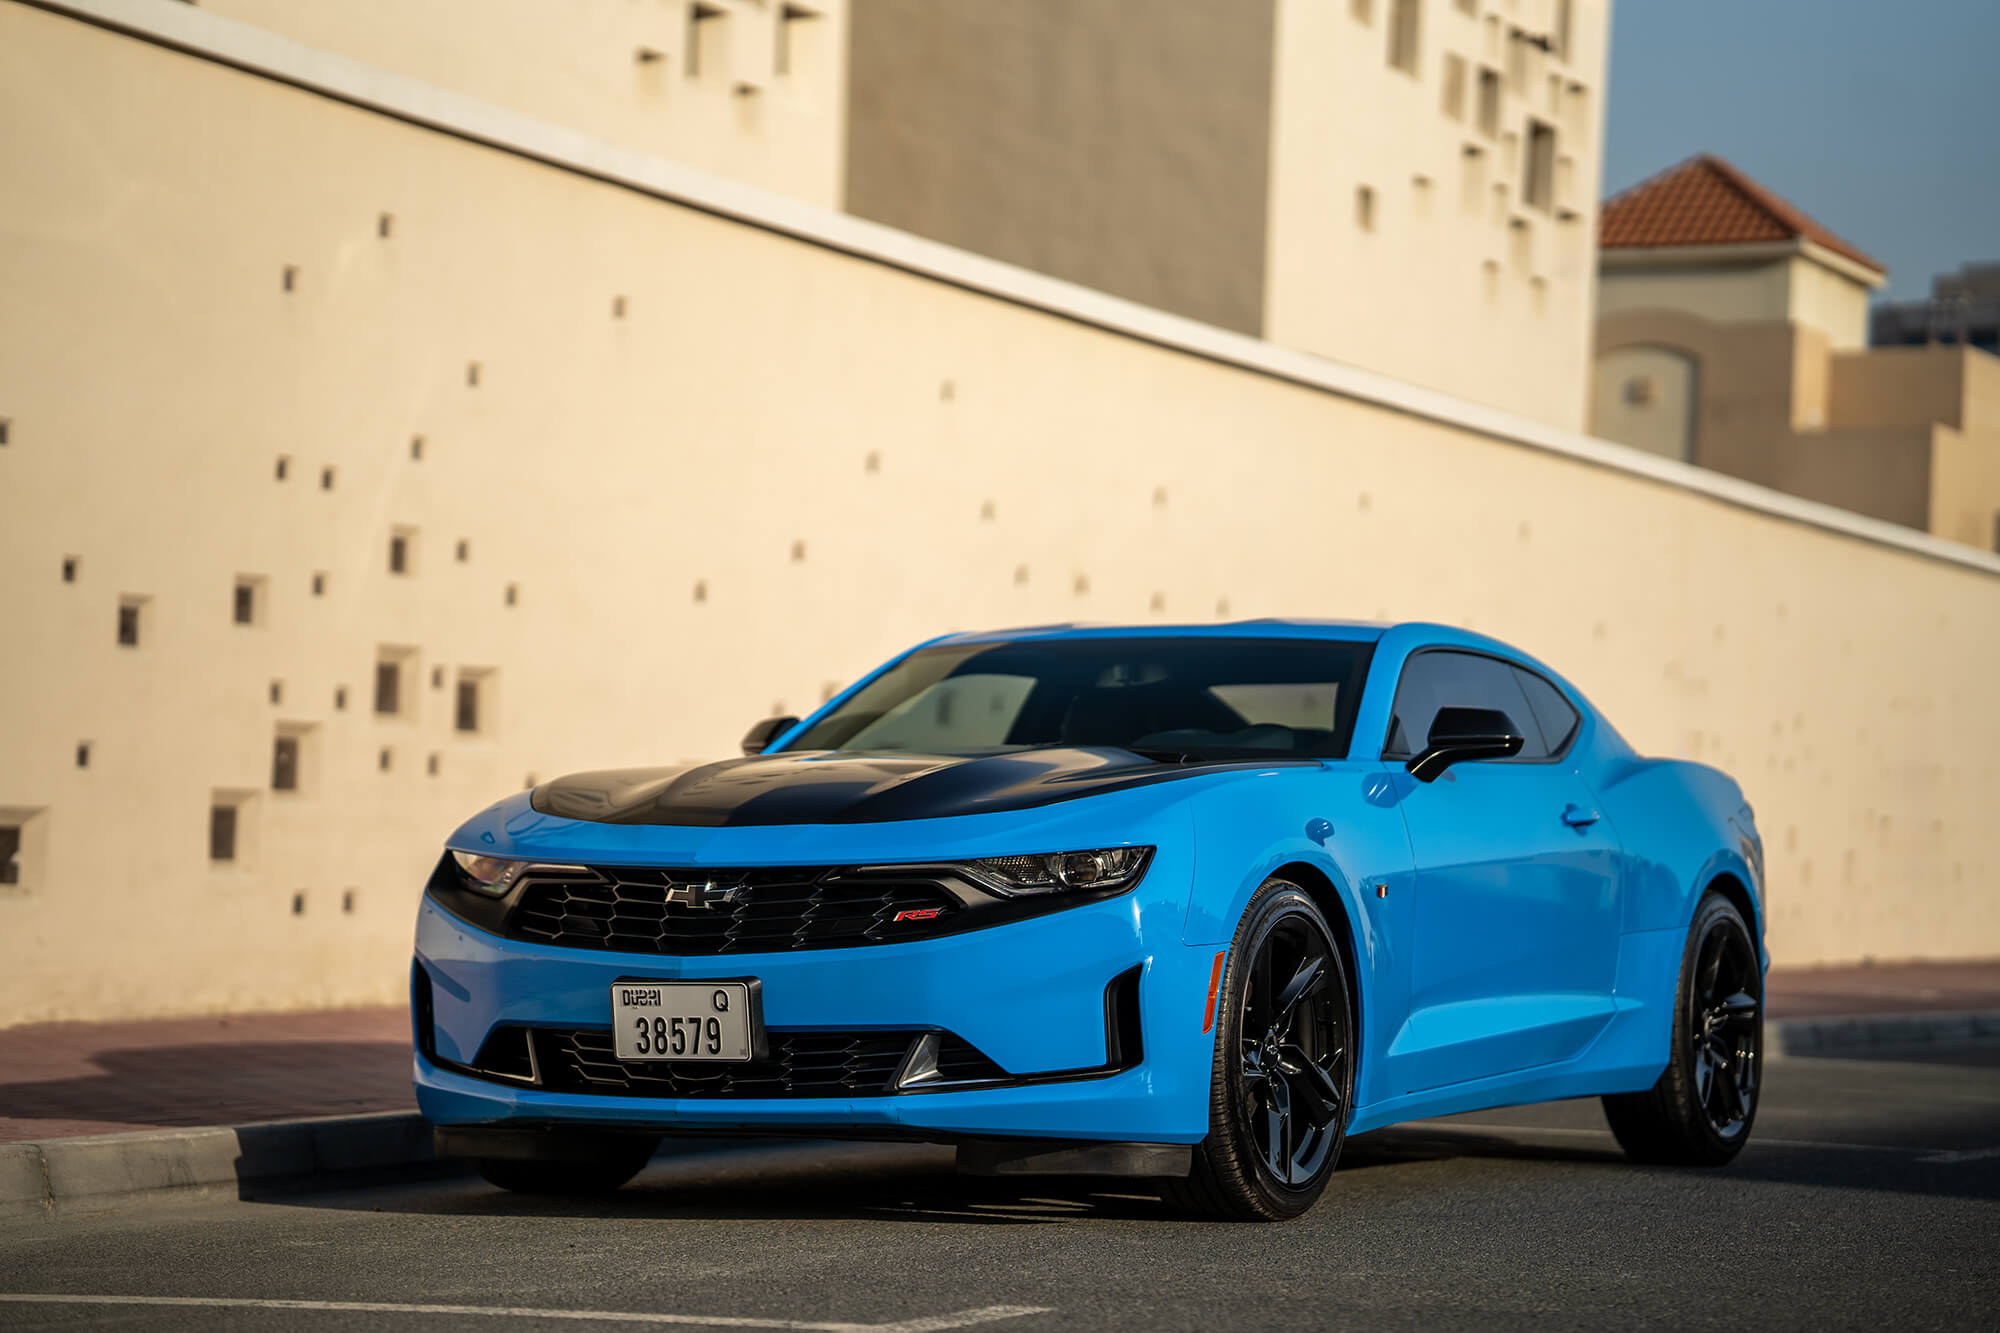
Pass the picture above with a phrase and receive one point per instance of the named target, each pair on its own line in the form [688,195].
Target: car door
[1516,913]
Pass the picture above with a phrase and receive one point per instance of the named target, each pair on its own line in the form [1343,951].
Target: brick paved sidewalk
[58,1080]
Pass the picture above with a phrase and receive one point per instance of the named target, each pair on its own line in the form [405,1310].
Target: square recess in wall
[23,847]
[232,828]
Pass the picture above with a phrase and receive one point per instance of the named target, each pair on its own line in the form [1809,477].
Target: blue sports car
[1190,904]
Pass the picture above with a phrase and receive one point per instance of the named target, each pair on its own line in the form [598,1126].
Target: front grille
[698,913]
[801,1064]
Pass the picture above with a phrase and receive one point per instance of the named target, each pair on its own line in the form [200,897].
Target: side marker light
[1214,983]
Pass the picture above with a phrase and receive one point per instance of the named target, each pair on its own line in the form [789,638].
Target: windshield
[1168,698]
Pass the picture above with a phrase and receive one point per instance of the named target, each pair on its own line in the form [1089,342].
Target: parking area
[1871,1195]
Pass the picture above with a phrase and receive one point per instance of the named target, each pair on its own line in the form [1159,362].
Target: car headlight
[1057,872]
[488,874]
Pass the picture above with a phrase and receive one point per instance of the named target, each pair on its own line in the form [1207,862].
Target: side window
[1438,679]
[1555,715]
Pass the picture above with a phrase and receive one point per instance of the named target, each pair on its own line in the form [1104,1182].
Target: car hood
[846,788]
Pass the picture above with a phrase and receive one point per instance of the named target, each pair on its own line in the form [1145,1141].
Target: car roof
[1403,636]
[1353,631]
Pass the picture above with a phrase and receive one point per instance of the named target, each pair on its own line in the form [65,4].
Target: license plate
[682,1020]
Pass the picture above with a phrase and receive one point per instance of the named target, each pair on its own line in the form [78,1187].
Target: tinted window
[1171,697]
[1553,713]
[1434,680]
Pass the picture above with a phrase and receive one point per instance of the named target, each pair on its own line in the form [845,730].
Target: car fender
[1340,823]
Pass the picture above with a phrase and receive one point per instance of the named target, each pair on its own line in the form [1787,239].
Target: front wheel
[1283,1077]
[1700,1111]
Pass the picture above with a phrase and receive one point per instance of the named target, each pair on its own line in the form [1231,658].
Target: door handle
[1577,816]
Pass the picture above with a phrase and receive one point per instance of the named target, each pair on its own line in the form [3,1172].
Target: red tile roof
[1706,201]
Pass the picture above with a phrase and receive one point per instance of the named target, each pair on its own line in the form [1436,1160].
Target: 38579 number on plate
[681,1020]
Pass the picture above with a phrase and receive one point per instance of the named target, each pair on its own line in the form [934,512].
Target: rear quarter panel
[1683,825]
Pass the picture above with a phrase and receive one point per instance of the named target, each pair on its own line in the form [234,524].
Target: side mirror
[1459,734]
[758,739]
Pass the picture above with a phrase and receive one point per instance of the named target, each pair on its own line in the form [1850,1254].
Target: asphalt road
[1869,1197]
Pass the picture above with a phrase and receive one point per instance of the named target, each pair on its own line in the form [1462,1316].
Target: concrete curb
[1879,1032]
[58,1176]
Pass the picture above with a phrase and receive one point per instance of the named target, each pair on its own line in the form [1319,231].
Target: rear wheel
[1283,1076]
[601,1175]
[1701,1110]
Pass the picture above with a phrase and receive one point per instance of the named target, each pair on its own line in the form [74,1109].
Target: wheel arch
[1726,883]
[1333,907]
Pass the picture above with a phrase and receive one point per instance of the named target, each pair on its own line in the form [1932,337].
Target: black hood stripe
[843,788]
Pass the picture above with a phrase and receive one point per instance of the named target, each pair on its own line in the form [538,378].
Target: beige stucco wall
[780,466]
[578,63]
[1830,301]
[1452,281]
[1123,147]
[1753,292]
[1647,397]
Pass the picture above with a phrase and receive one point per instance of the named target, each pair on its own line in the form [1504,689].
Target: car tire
[579,1179]
[1700,1111]
[1283,1072]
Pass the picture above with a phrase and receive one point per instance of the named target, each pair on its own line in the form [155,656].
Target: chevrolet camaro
[1188,904]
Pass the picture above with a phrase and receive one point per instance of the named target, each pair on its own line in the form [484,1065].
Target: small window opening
[244,609]
[1364,207]
[299,904]
[285,764]
[472,374]
[83,754]
[1454,86]
[1538,191]
[416,448]
[1362,11]
[464,551]
[617,307]
[5,424]
[319,585]
[340,698]
[291,277]
[798,551]
[10,853]
[388,688]
[69,569]
[700,16]
[347,902]
[284,467]
[783,60]
[222,832]
[385,224]
[128,621]
[701,590]
[431,765]
[1489,102]
[470,705]
[385,759]
[326,478]
[1405,35]
[277,691]
[513,593]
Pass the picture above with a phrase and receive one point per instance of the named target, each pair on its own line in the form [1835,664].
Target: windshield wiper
[1162,755]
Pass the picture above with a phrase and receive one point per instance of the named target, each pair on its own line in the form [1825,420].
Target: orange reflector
[1214,982]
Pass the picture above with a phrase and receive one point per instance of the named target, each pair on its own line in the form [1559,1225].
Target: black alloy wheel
[1283,1079]
[1701,1110]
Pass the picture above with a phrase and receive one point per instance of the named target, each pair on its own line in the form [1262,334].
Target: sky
[1879,118]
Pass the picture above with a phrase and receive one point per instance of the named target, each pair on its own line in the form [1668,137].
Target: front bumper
[1030,995]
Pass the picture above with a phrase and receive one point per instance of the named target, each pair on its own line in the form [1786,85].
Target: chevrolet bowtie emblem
[704,897]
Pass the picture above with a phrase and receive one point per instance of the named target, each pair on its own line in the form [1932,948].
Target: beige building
[1732,333]
[368,452]
[1407,186]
